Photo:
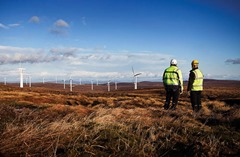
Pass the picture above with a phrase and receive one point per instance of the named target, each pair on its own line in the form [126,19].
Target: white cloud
[34,19]
[74,55]
[3,26]
[59,28]
[70,50]
[8,73]
[15,55]
[11,50]
[96,74]
[9,25]
[233,61]
[61,23]
[14,25]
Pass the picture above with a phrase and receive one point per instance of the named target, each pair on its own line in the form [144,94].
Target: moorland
[47,120]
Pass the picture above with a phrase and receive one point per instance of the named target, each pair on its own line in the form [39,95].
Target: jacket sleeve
[180,79]
[163,77]
[190,80]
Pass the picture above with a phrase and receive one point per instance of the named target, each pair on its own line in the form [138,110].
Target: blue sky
[103,39]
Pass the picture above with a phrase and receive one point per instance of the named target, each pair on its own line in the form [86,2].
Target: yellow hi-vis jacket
[198,81]
[173,76]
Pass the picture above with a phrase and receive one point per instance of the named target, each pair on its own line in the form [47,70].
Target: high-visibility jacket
[198,81]
[173,76]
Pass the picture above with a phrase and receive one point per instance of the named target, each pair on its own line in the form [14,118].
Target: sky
[106,39]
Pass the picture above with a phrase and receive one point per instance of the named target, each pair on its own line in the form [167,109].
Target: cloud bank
[85,62]
[90,63]
[15,55]
[233,61]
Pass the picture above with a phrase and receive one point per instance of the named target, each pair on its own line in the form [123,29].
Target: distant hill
[222,83]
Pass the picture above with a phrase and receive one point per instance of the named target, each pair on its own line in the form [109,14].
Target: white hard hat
[173,62]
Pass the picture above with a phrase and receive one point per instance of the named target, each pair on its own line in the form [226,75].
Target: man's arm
[180,80]
[163,78]
[190,80]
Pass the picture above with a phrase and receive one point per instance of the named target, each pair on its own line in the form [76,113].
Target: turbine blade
[133,70]
[137,74]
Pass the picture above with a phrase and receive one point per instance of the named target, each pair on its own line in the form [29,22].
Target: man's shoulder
[196,70]
[199,70]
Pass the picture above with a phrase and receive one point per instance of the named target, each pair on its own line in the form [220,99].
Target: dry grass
[47,123]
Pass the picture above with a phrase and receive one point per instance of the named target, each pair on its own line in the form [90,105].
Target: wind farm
[83,78]
[94,82]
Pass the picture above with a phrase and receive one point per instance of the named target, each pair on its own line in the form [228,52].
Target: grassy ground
[47,122]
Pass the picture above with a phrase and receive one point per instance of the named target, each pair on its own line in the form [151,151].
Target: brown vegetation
[51,122]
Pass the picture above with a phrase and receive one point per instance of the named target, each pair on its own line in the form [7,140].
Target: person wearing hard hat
[173,83]
[195,86]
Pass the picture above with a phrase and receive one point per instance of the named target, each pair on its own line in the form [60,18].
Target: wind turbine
[80,81]
[92,84]
[30,80]
[70,83]
[64,83]
[116,85]
[135,77]
[26,80]
[5,81]
[21,75]
[97,82]
[56,79]
[109,81]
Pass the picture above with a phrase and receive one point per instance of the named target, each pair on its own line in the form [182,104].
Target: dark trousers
[195,97]
[172,92]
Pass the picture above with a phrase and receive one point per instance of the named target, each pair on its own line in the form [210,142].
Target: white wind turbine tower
[97,82]
[26,79]
[80,81]
[70,83]
[21,76]
[30,80]
[5,81]
[135,78]
[56,79]
[116,85]
[64,83]
[108,83]
[92,84]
